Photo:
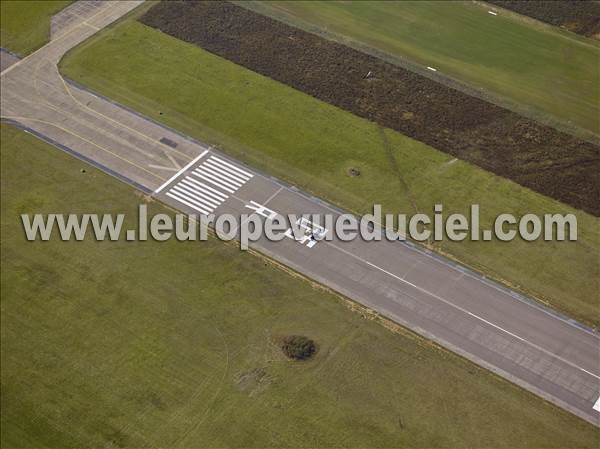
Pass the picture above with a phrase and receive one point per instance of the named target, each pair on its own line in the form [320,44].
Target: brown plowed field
[539,157]
[579,16]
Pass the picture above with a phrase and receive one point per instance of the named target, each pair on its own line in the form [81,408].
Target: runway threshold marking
[194,191]
[445,301]
[596,406]
[222,174]
[172,178]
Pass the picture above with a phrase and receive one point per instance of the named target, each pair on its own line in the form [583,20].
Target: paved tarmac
[520,340]
[6,59]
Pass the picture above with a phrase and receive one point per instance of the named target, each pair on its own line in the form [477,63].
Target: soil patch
[353,172]
[539,157]
[581,17]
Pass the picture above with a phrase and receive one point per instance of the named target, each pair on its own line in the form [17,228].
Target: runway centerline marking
[469,274]
[260,209]
[445,301]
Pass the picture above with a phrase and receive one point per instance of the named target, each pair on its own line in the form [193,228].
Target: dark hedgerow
[298,347]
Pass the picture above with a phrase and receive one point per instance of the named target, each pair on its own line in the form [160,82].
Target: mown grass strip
[25,24]
[539,157]
[135,344]
[313,145]
[544,71]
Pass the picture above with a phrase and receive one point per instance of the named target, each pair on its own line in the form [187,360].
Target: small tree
[298,347]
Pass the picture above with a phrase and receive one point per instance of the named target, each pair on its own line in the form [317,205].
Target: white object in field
[493,13]
[432,69]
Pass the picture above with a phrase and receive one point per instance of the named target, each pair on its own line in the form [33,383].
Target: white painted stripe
[216,181]
[462,309]
[205,169]
[218,172]
[478,278]
[231,166]
[193,161]
[185,202]
[187,191]
[214,163]
[203,193]
[191,200]
[226,172]
[432,69]
[597,405]
[198,195]
[212,182]
[222,166]
[195,189]
[217,194]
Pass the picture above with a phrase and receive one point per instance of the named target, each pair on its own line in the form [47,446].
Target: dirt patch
[581,16]
[353,172]
[536,156]
[254,381]
[395,167]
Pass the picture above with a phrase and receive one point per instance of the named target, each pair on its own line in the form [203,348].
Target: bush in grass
[298,347]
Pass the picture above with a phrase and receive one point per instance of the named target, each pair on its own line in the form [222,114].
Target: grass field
[312,145]
[548,70]
[537,157]
[25,24]
[136,344]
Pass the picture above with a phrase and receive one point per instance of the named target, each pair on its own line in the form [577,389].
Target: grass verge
[313,145]
[136,344]
[546,69]
[25,24]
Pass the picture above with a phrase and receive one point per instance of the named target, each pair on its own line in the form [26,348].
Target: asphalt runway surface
[6,59]
[520,340]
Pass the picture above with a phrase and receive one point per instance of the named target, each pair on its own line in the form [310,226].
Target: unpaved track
[508,334]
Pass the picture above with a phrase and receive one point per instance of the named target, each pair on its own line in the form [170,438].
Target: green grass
[25,25]
[312,144]
[548,70]
[140,344]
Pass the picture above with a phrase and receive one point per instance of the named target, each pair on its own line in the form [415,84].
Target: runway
[522,341]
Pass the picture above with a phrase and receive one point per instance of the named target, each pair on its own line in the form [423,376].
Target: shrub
[298,347]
